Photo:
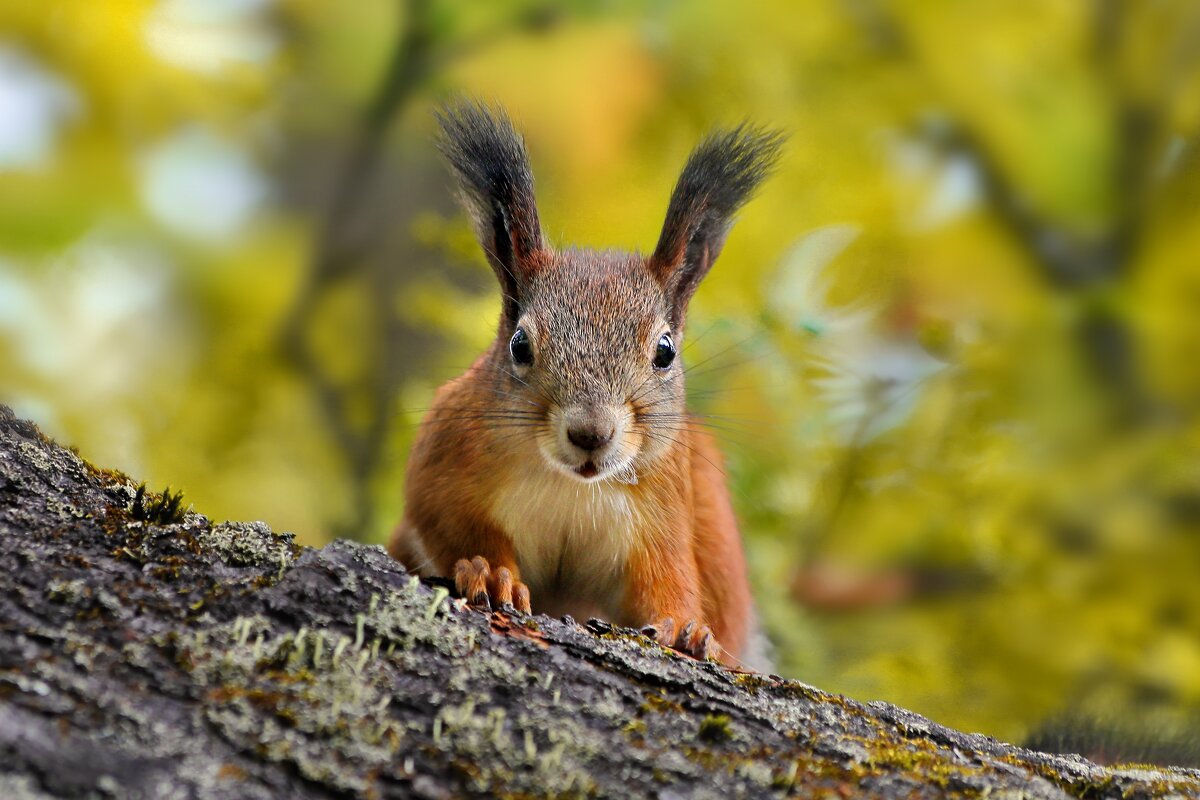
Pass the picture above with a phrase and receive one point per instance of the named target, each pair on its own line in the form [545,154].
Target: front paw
[482,586]
[693,638]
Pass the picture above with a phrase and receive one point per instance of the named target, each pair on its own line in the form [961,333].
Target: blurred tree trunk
[1083,267]
[350,241]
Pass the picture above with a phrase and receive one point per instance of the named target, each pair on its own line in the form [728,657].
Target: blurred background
[951,349]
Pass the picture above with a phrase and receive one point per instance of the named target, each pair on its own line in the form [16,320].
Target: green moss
[916,757]
[753,681]
[757,682]
[160,509]
[660,703]
[642,641]
[107,476]
[169,569]
[707,759]
[716,728]
[1148,779]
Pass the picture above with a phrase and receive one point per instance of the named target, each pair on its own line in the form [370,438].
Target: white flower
[797,292]
[872,380]
[874,385]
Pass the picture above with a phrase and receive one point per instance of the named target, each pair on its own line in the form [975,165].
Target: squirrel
[562,470]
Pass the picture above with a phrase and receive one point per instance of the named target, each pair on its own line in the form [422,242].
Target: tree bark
[147,652]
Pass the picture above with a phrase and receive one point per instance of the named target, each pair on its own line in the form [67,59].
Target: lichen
[21,787]
[291,702]
[248,544]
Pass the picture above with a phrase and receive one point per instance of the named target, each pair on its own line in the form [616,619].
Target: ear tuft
[490,163]
[721,174]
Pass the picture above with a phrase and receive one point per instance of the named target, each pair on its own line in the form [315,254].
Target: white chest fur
[572,539]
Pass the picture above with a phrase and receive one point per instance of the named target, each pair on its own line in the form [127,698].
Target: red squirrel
[562,470]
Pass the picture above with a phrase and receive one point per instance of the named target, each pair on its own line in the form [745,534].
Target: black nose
[589,437]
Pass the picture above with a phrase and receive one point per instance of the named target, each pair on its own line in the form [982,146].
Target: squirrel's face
[586,353]
[592,359]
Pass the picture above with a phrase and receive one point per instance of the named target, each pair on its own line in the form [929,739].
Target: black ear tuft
[489,161]
[721,174]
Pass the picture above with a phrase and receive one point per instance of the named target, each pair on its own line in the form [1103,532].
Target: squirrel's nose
[590,437]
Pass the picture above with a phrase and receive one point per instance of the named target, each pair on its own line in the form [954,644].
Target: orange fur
[684,557]
[563,467]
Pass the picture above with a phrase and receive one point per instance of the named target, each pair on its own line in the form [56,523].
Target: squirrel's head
[586,362]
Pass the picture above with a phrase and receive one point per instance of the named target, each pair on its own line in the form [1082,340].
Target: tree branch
[145,658]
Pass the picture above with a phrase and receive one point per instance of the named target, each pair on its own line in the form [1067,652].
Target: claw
[470,579]
[521,598]
[662,631]
[486,588]
[685,636]
[504,586]
[693,639]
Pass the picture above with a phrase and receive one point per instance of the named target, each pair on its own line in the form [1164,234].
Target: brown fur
[687,567]
[636,525]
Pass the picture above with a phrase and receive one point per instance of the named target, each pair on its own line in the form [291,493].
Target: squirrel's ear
[720,176]
[495,183]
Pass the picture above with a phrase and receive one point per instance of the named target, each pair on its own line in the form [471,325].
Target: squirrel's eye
[664,354]
[520,349]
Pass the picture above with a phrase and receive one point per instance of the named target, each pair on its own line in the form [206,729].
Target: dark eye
[664,354]
[520,349]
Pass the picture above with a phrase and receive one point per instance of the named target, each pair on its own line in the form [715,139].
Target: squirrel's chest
[572,540]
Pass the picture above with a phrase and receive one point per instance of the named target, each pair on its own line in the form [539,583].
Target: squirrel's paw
[693,639]
[482,586]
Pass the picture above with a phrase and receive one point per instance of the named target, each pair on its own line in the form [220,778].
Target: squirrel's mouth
[613,461]
[589,471]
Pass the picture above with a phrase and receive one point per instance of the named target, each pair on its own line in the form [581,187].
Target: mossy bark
[146,652]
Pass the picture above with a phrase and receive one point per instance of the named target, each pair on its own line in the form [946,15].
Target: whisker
[644,387]
[745,437]
[502,392]
[441,409]
[695,424]
[459,415]
[737,344]
[695,393]
[648,411]
[688,341]
[675,440]
[733,438]
[693,373]
[488,422]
